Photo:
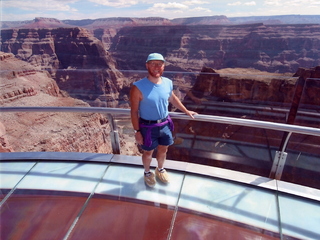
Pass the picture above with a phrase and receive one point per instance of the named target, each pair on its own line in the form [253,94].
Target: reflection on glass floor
[107,199]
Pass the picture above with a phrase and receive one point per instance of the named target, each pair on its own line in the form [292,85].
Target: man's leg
[146,159]
[149,177]
[161,173]
[161,155]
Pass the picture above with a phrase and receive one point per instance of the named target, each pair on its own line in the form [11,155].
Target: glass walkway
[103,196]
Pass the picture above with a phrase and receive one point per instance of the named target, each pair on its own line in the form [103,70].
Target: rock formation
[42,131]
[272,48]
[252,88]
[4,144]
[210,20]
[84,69]
[277,19]
[310,98]
[76,52]
[41,22]
[249,87]
[119,22]
[191,43]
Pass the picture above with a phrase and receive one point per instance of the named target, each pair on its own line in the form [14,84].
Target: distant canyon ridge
[188,44]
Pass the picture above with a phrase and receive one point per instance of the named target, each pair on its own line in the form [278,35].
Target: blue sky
[17,10]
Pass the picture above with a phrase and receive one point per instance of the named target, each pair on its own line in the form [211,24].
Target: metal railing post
[281,156]
[114,135]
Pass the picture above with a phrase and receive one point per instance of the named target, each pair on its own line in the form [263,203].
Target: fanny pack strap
[147,139]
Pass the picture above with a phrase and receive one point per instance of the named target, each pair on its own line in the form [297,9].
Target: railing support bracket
[278,165]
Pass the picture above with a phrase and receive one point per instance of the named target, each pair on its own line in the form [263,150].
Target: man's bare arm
[175,101]
[135,98]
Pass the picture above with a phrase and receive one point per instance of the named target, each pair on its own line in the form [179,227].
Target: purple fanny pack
[147,141]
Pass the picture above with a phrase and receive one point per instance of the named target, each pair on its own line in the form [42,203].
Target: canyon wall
[272,48]
[119,22]
[188,44]
[252,87]
[89,67]
[83,68]
[24,85]
[74,58]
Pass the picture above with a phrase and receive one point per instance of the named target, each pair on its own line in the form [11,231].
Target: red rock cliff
[89,73]
[41,131]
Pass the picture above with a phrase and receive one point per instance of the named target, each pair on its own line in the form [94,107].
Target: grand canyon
[50,62]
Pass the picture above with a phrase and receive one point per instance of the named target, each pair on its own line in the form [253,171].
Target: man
[149,99]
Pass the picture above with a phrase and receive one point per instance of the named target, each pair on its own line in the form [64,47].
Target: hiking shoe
[162,175]
[178,141]
[149,179]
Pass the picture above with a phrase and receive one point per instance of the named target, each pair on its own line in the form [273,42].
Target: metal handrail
[200,117]
[280,156]
[277,109]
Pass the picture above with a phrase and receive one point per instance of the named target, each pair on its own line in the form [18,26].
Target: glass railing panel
[236,147]
[259,96]
[240,148]
[308,112]
[302,165]
[247,95]
[128,145]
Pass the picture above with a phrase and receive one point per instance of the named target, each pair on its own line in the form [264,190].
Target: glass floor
[103,196]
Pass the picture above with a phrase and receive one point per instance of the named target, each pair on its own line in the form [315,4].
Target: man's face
[155,68]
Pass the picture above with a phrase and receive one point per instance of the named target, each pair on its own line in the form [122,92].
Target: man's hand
[139,138]
[191,113]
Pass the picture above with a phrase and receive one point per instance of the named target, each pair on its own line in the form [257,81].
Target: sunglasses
[155,64]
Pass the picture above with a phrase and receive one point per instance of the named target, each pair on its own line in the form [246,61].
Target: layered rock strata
[43,131]
[88,72]
[271,48]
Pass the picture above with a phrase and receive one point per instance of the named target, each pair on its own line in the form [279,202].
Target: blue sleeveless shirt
[154,103]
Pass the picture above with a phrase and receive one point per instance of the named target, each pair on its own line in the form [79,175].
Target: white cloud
[66,1]
[252,3]
[273,2]
[115,3]
[200,9]
[39,5]
[195,2]
[294,5]
[304,3]
[234,4]
[171,6]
